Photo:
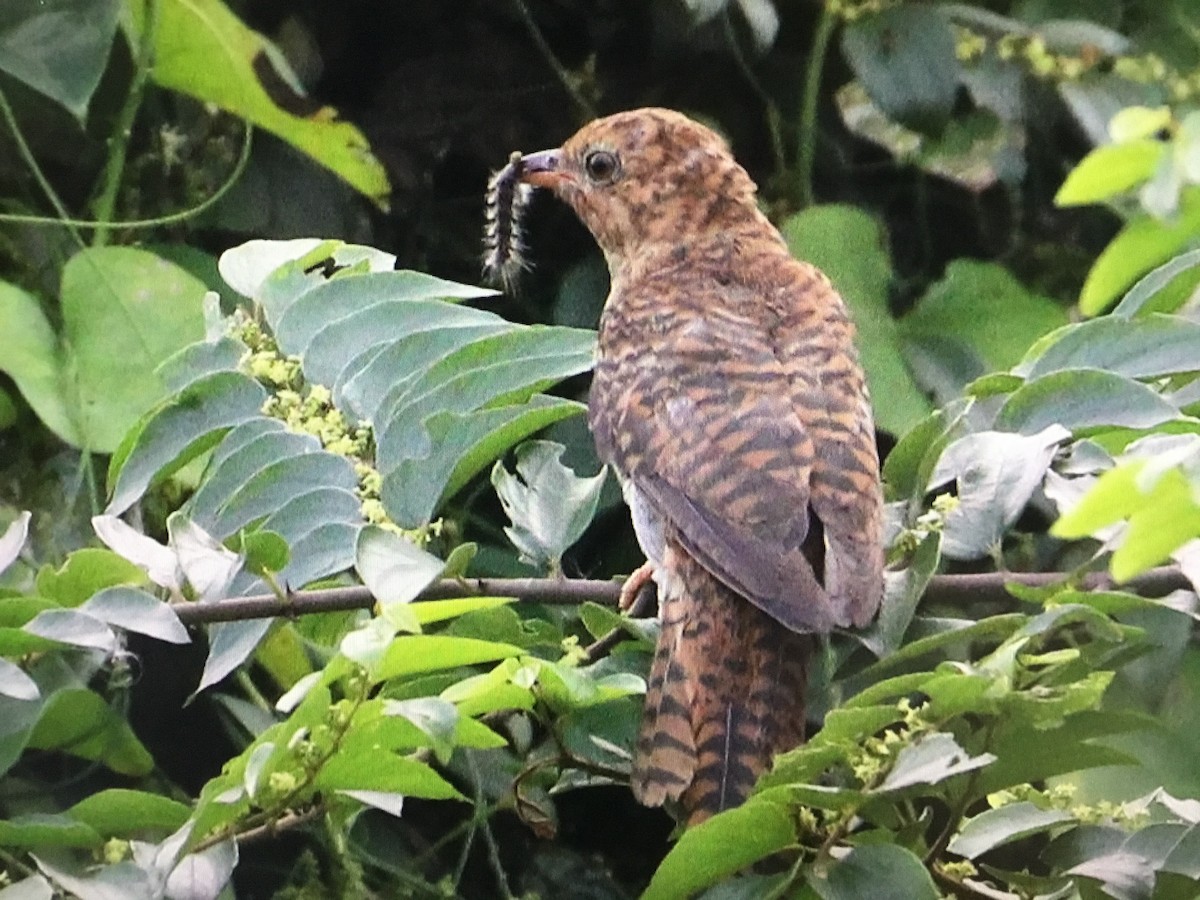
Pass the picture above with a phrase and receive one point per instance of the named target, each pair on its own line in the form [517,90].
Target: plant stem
[39,176]
[564,77]
[807,144]
[118,141]
[774,119]
[493,849]
[953,589]
[169,219]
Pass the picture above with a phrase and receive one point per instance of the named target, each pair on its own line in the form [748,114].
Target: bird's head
[645,179]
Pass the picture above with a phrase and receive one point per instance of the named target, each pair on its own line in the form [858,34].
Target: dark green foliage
[992,178]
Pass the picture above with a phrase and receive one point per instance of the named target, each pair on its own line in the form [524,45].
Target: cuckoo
[729,399]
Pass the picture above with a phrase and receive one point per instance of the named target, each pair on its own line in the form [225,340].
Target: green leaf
[950,632]
[548,504]
[1145,294]
[721,846]
[462,444]
[997,827]
[1081,399]
[1110,170]
[38,830]
[258,269]
[1184,858]
[903,590]
[931,759]
[13,540]
[493,371]
[261,473]
[59,49]
[1169,519]
[1142,244]
[124,311]
[1146,347]
[429,611]
[875,872]
[490,692]
[178,431]
[964,307]
[331,318]
[394,568]
[907,468]
[847,244]
[84,573]
[369,378]
[139,611]
[31,359]
[1114,496]
[118,812]
[264,550]
[80,722]
[412,654]
[567,688]
[202,49]
[1160,507]
[1048,707]
[905,58]
[1029,753]
[15,683]
[437,719]
[387,772]
[996,473]
[1138,123]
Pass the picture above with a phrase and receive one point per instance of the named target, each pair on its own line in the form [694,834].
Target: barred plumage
[728,397]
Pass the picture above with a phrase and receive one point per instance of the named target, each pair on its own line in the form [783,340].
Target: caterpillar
[504,237]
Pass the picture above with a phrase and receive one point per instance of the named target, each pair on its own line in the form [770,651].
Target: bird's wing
[701,422]
[814,342]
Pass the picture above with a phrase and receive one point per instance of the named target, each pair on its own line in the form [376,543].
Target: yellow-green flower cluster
[958,869]
[1030,51]
[310,410]
[931,521]
[266,364]
[853,10]
[1062,797]
[872,761]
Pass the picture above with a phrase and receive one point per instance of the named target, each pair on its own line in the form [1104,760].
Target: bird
[728,397]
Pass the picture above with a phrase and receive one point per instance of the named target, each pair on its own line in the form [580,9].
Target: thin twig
[286,822]
[778,156]
[169,219]
[552,60]
[556,591]
[642,604]
[489,839]
[956,589]
[39,176]
[118,142]
[807,144]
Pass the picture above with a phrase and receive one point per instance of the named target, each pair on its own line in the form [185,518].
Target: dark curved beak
[542,169]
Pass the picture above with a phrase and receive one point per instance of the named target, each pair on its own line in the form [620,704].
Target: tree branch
[983,587]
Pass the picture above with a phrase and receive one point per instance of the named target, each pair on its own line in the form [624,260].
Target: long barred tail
[726,693]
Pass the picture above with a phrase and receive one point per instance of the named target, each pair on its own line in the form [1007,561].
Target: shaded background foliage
[935,139]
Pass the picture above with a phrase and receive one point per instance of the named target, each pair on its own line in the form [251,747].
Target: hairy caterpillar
[504,238]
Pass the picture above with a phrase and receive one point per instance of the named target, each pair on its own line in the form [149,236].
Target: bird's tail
[726,693]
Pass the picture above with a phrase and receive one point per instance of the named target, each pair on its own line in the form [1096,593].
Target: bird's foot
[632,598]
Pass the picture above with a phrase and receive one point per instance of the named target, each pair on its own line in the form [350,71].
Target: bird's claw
[633,585]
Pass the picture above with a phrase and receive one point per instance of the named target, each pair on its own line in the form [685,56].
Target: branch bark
[983,587]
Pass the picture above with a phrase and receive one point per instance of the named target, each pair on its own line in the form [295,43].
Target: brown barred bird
[729,399]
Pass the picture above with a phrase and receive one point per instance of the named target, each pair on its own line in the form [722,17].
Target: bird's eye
[601,165]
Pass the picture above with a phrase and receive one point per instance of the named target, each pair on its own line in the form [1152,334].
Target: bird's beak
[543,169]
